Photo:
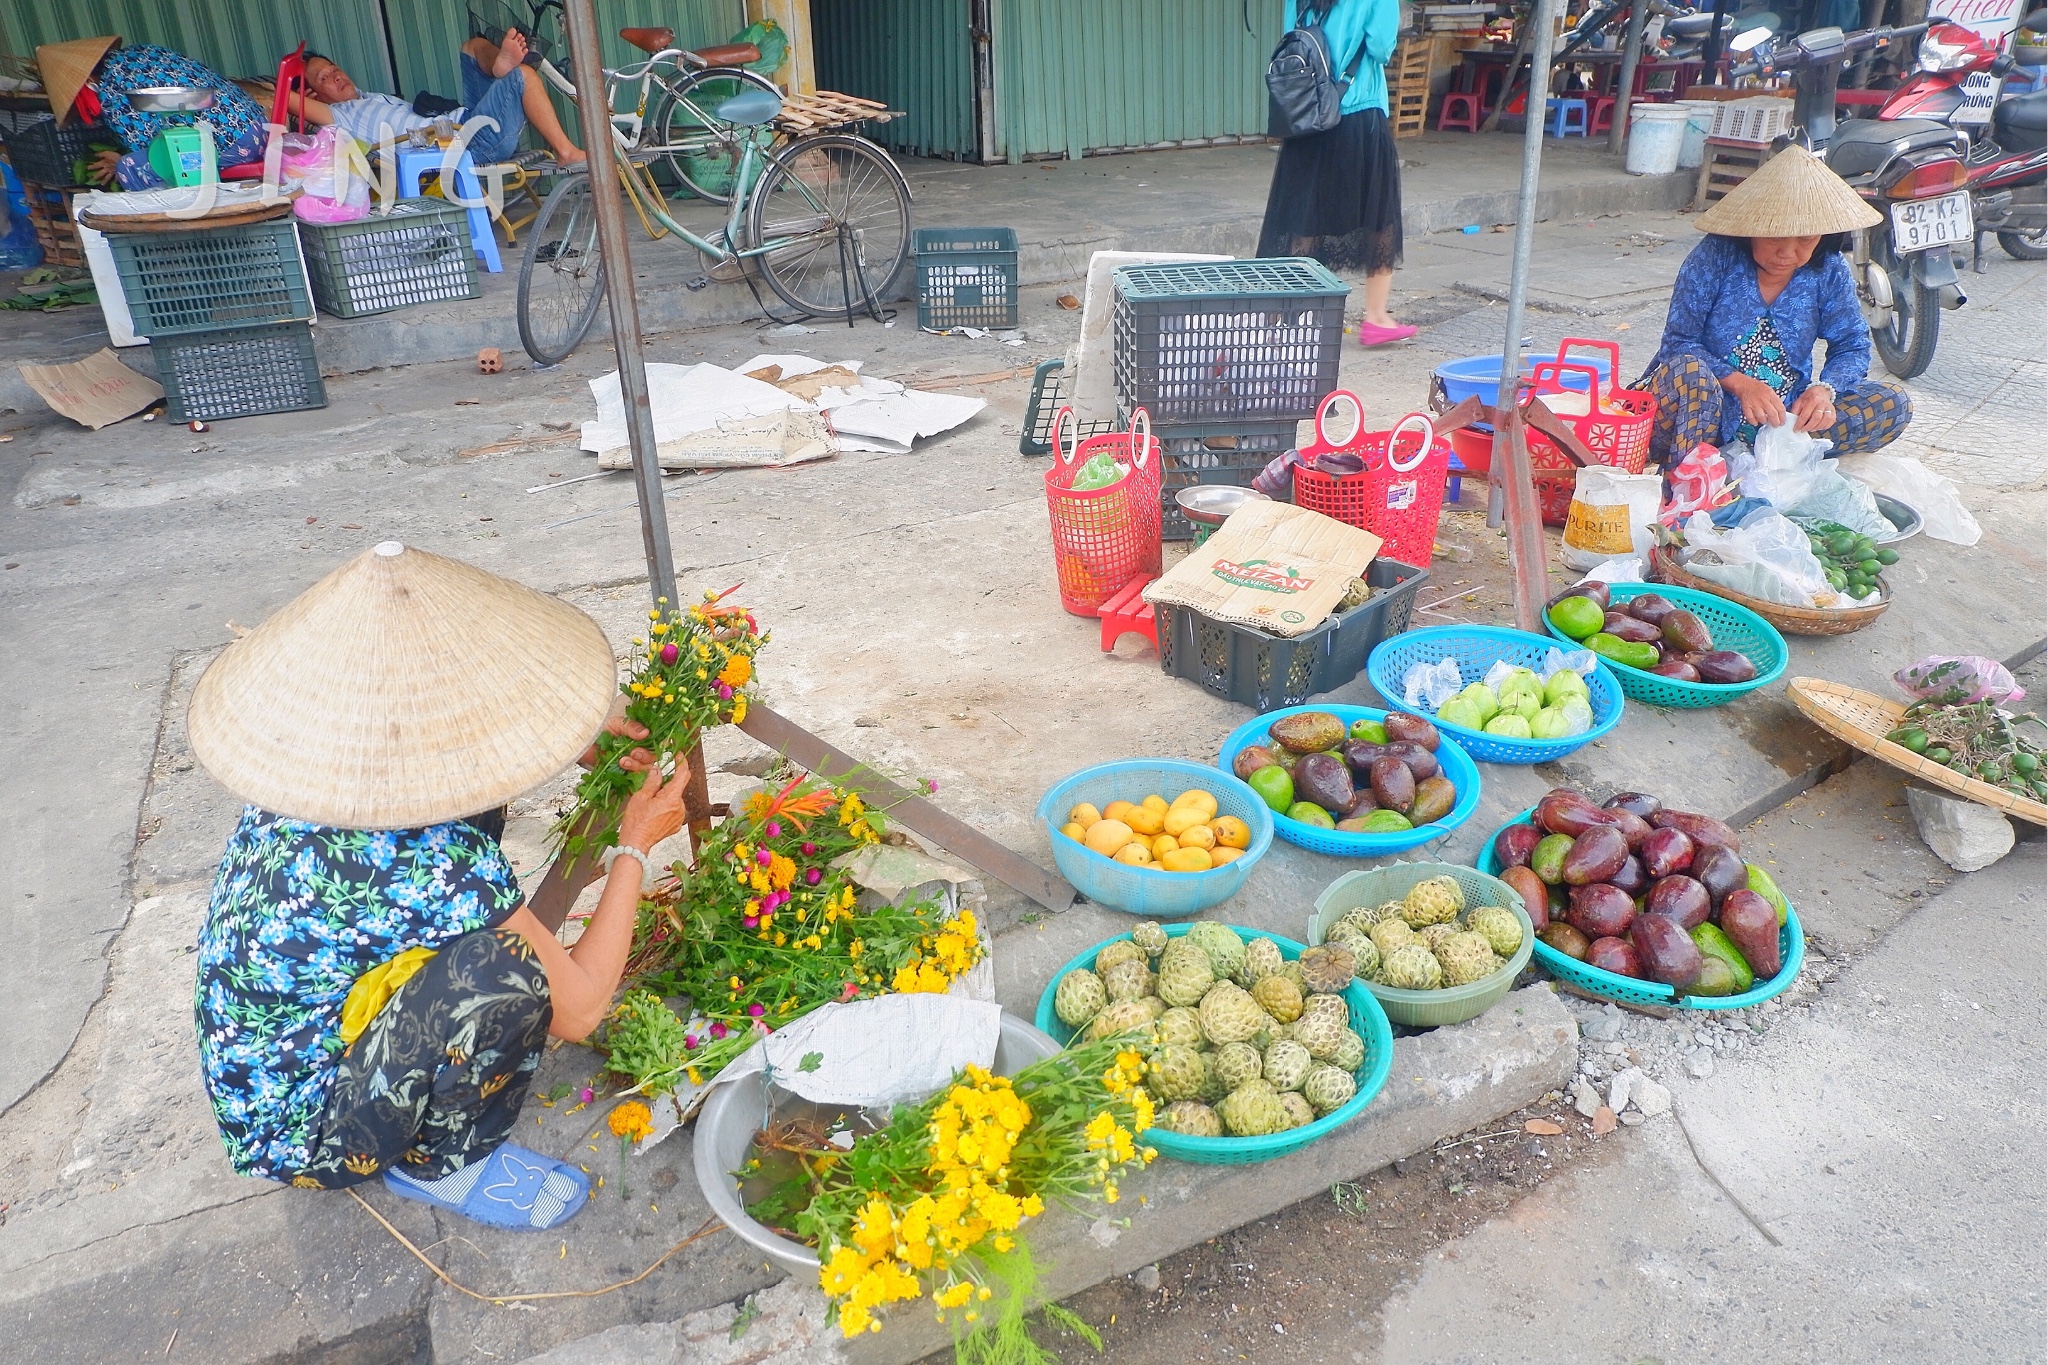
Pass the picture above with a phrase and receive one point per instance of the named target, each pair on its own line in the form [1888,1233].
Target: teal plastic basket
[1628,990]
[1150,891]
[1450,1004]
[1478,648]
[1368,1021]
[1733,627]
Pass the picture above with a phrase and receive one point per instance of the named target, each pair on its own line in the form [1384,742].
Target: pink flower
[813,877]
[755,1011]
[588,1095]
[724,692]
[752,921]
[690,1043]
[932,785]
[669,653]
[764,857]
[718,1030]
[809,849]
[774,830]
[851,991]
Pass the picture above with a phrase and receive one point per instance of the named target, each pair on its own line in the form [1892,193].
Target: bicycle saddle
[749,107]
[649,39]
[728,54]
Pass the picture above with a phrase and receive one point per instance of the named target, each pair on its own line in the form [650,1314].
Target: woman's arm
[1839,322]
[1696,294]
[581,979]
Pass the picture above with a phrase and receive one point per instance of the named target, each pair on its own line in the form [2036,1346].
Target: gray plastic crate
[239,372]
[418,253]
[966,277]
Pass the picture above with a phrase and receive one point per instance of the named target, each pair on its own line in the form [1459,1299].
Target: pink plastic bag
[1956,679]
[1699,483]
[334,191]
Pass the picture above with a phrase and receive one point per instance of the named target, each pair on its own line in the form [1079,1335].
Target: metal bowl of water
[171,99]
[734,1112]
[1906,520]
[1210,504]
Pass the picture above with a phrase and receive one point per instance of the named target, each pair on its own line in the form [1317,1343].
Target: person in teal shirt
[1336,195]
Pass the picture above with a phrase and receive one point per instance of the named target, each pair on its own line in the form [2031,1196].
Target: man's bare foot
[510,54]
[572,156]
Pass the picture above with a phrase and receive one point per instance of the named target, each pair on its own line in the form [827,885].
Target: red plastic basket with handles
[1102,538]
[1399,493]
[1615,425]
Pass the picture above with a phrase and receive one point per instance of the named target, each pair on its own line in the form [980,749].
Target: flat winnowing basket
[1272,565]
[1863,719]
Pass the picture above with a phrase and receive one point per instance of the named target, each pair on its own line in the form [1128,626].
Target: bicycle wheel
[702,150]
[841,210]
[561,280]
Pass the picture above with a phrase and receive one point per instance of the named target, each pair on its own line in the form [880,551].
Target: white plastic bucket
[1692,150]
[1654,135]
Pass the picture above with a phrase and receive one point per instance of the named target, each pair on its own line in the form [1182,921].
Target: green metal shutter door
[912,55]
[234,37]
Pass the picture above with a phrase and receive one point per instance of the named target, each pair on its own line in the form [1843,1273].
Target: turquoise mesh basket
[1733,627]
[1477,648]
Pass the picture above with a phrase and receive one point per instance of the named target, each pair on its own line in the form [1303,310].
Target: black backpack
[1303,92]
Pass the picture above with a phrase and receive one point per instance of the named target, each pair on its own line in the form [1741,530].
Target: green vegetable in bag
[1100,472]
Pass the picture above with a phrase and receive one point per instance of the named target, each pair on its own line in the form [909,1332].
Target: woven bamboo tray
[1790,620]
[1862,720]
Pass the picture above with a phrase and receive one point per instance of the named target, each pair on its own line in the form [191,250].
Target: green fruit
[1842,542]
[1564,683]
[1386,822]
[1887,557]
[1547,859]
[1990,771]
[1509,727]
[1484,700]
[1550,723]
[1761,883]
[1371,731]
[1274,785]
[1622,652]
[1711,942]
[2025,764]
[1937,754]
[1460,712]
[1309,813]
[1577,617]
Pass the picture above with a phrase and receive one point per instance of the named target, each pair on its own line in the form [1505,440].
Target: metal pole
[1710,48]
[1511,454]
[1631,54]
[593,105]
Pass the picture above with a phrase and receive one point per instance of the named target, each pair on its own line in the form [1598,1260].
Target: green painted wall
[911,54]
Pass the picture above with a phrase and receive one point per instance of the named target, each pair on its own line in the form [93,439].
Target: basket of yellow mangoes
[1158,837]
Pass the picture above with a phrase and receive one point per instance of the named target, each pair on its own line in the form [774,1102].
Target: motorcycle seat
[1862,145]
[2021,124]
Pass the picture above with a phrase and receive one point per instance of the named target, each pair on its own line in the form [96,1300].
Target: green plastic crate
[966,277]
[210,278]
[239,372]
[418,253]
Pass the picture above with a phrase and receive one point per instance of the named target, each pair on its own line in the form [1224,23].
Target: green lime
[1577,617]
[1887,557]
[1370,731]
[1309,813]
[1275,786]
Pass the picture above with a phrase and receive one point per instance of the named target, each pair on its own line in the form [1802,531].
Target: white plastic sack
[1579,661]
[1936,499]
[1611,514]
[1787,463]
[1431,685]
[1767,557]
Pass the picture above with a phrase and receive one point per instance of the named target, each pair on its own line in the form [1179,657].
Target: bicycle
[824,218]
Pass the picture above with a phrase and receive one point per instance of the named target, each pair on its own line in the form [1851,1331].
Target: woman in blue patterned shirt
[1747,308]
[93,77]
[373,992]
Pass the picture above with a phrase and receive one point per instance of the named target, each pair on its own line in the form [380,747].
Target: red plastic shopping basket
[1104,537]
[1399,493]
[1615,426]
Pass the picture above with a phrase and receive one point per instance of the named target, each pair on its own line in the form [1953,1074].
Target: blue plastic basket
[1478,376]
[1151,891]
[1368,1020]
[1733,627]
[1629,990]
[1457,766]
[1477,648]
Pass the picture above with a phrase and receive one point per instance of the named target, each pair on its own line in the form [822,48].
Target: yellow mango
[1135,854]
[1221,855]
[1198,799]
[1107,836]
[1164,845]
[1155,802]
[1075,831]
[1187,860]
[1182,818]
[1118,810]
[1083,815]
[1197,836]
[1231,832]
[1146,821]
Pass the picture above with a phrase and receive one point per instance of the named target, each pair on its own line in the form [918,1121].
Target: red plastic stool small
[1127,612]
[1603,114]
[1467,105]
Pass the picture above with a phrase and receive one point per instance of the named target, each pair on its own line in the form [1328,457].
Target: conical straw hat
[1793,194]
[402,690]
[66,67]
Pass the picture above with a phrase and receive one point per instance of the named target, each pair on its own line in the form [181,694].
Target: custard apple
[1123,950]
[1299,1112]
[1322,1033]
[1326,1004]
[1253,1110]
[1466,958]
[1327,1088]
[1124,1017]
[1292,971]
[1213,1088]
[1078,998]
[1229,1014]
[1176,1073]
[1433,902]
[1391,934]
[1328,968]
[1221,943]
[1359,920]
[1261,959]
[1503,931]
[1433,935]
[1128,980]
[1278,997]
[1151,937]
[1191,1118]
[1286,1064]
[1413,968]
[1350,1053]
[1367,955]
[1179,1028]
[1237,1063]
[1184,974]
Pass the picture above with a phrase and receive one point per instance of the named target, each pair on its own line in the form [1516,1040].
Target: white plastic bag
[1611,514]
[1936,500]
[1767,557]
[1431,685]
[1787,463]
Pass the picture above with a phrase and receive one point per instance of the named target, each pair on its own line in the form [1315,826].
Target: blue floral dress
[299,912]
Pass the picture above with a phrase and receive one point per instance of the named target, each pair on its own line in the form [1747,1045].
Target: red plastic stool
[1603,114]
[1127,612]
[1468,111]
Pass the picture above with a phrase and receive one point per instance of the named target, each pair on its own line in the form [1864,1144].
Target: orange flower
[737,671]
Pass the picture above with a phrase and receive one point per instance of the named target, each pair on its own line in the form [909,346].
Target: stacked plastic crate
[1226,357]
[51,162]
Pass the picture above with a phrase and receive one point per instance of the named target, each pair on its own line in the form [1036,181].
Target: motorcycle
[1910,170]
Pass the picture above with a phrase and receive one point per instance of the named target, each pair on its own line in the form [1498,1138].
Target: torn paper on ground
[873,414]
[706,417]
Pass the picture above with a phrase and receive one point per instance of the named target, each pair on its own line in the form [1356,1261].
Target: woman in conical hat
[1750,301]
[373,992]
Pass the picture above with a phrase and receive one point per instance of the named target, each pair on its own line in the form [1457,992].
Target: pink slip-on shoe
[1371,335]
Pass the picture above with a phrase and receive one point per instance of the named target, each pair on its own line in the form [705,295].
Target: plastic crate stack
[1227,357]
[419,252]
[225,310]
[49,161]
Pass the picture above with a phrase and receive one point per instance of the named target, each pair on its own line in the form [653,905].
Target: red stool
[1126,613]
[1603,114]
[1466,103]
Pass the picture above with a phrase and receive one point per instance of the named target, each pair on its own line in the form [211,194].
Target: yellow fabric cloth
[374,988]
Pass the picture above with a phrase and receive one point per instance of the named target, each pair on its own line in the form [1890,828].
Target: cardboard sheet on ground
[93,392]
[1272,565]
[1091,380]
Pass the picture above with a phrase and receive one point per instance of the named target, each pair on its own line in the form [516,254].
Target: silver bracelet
[639,856]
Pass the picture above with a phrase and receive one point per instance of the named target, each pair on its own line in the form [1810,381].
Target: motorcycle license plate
[1923,223]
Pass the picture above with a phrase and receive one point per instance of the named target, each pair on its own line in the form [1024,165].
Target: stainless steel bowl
[1210,504]
[1907,520]
[171,99]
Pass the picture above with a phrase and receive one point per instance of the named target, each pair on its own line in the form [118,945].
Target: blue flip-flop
[510,1188]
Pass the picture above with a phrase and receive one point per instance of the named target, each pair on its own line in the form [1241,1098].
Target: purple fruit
[1631,878]
[1635,803]
[1666,951]
[1665,852]
[1679,898]
[1613,954]
[1601,911]
[1751,924]
[1595,856]
[1720,871]
[1513,845]
[1420,761]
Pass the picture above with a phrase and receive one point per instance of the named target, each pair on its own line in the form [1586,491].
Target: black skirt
[1336,196]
